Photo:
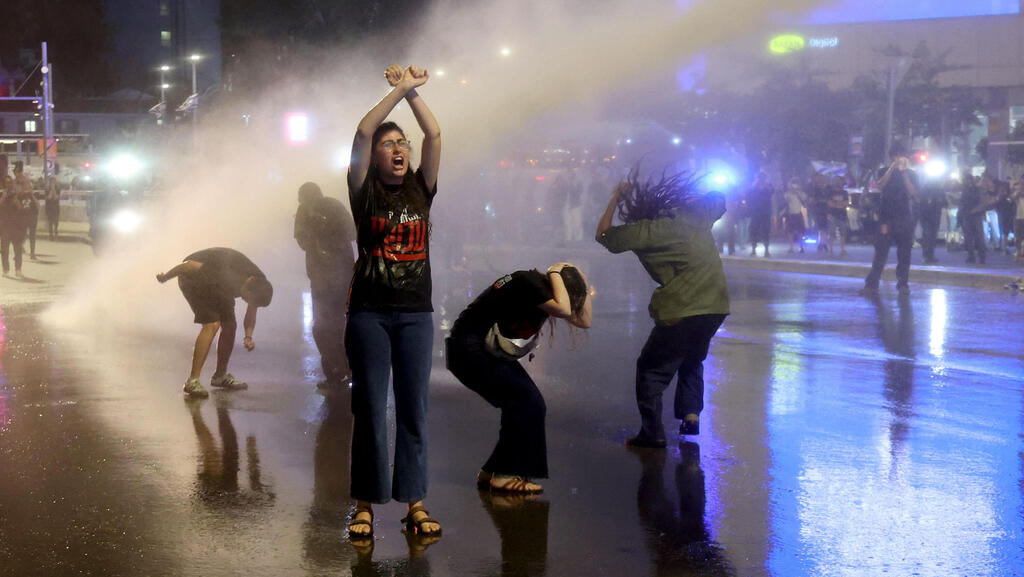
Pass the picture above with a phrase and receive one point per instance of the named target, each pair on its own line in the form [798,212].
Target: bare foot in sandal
[361,525]
[514,485]
[419,522]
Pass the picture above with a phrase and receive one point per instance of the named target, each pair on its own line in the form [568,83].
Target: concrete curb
[986,280]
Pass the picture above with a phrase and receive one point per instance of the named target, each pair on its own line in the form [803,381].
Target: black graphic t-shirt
[393,270]
[512,301]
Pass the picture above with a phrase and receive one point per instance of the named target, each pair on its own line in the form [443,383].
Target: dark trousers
[32,237]
[522,445]
[52,221]
[329,308]
[19,248]
[974,235]
[760,230]
[676,350]
[376,342]
[904,242]
[930,232]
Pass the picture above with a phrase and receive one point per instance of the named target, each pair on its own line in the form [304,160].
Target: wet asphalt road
[842,436]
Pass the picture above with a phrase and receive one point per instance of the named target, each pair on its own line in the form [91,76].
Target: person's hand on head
[558,266]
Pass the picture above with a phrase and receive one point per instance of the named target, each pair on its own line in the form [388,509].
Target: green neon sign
[786,43]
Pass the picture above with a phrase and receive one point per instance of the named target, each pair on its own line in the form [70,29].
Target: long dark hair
[410,197]
[577,289]
[649,199]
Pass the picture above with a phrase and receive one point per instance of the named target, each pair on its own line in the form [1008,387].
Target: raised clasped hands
[408,78]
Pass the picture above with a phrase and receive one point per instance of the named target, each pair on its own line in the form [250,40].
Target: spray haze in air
[501,72]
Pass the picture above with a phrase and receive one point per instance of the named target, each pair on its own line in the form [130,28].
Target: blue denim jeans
[376,342]
[678,351]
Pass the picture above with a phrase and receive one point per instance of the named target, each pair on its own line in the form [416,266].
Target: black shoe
[645,443]
[869,291]
[689,427]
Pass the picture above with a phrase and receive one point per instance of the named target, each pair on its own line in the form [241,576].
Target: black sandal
[483,480]
[415,527]
[359,523]
[514,485]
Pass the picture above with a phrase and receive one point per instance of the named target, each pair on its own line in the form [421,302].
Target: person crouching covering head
[667,224]
[515,306]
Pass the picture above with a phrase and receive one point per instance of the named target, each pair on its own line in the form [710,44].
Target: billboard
[884,10]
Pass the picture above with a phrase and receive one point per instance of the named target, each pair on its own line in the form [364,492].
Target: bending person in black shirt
[390,316]
[211,279]
[517,305]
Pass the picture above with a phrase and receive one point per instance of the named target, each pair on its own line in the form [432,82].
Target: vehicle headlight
[126,221]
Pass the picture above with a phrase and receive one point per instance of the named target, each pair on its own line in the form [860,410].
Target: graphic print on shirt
[406,241]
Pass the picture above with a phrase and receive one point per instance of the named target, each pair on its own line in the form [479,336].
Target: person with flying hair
[667,224]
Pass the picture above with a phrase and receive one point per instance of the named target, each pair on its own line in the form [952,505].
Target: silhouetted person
[932,200]
[325,231]
[759,207]
[211,280]
[976,200]
[52,201]
[18,208]
[895,225]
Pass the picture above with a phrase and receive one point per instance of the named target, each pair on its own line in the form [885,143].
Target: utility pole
[897,68]
[46,108]
[48,140]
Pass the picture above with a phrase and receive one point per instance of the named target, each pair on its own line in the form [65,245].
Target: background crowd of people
[19,214]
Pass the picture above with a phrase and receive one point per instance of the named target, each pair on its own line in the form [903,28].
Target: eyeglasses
[390,145]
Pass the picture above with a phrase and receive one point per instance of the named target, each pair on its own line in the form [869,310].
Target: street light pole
[891,111]
[195,94]
[47,114]
[163,91]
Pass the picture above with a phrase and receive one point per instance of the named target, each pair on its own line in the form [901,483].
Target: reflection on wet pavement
[841,436]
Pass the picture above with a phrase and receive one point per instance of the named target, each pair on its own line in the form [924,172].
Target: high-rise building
[149,33]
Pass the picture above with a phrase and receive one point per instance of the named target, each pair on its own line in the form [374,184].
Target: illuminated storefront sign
[826,42]
[786,43]
[789,43]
